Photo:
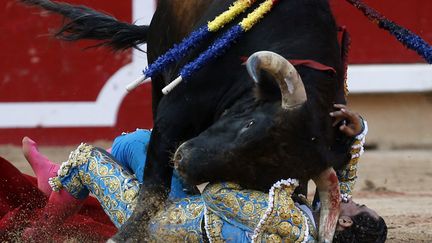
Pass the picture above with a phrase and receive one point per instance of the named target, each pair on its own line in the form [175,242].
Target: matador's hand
[352,125]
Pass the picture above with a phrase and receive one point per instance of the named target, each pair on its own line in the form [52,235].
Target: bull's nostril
[178,156]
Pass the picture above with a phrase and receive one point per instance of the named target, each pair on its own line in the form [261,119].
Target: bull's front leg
[153,192]
[151,200]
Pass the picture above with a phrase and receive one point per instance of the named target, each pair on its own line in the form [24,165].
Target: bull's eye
[249,124]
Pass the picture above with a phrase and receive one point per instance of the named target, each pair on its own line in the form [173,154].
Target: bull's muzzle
[180,161]
[178,157]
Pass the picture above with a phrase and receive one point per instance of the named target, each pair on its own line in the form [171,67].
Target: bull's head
[264,137]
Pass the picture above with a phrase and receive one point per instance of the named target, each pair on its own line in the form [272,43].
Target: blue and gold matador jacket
[227,213]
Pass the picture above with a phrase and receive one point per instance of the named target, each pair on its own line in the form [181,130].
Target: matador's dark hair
[365,229]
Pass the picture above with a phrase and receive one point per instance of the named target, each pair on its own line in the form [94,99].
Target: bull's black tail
[84,23]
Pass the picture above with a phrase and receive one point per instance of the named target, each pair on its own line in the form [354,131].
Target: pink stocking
[41,165]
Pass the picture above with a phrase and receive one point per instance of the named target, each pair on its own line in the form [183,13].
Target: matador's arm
[348,175]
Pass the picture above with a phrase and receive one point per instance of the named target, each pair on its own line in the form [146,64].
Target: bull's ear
[291,86]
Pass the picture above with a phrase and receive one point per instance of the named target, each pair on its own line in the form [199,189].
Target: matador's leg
[93,170]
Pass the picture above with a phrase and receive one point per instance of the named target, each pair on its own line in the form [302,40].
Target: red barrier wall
[36,69]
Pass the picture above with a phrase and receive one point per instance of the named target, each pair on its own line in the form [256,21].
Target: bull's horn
[327,185]
[290,83]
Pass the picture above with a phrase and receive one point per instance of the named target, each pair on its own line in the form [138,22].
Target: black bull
[230,127]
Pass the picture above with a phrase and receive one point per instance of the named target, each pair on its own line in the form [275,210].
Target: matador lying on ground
[222,212]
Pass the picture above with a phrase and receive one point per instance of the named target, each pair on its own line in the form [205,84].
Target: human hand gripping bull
[249,129]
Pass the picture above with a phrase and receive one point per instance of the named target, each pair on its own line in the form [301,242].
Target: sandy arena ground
[394,183]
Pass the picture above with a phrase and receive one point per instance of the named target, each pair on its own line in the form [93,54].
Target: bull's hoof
[116,239]
[131,232]
[122,239]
